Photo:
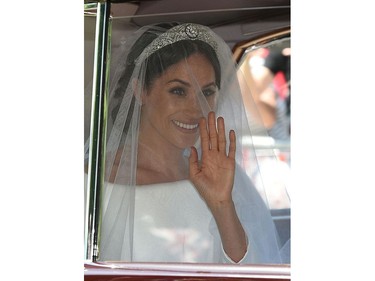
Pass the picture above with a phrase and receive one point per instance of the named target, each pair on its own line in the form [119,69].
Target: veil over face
[163,80]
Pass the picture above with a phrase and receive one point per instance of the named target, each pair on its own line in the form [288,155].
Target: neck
[159,161]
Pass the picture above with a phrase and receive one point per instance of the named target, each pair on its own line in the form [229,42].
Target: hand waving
[214,175]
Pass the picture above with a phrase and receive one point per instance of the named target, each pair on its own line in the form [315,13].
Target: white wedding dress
[171,224]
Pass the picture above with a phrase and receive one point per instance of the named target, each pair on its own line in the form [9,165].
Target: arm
[213,177]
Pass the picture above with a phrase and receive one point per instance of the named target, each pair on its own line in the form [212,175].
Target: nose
[194,100]
[196,103]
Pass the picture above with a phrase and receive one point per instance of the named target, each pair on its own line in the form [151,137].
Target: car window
[270,145]
[265,70]
[266,78]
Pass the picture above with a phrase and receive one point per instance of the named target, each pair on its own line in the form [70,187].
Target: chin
[188,143]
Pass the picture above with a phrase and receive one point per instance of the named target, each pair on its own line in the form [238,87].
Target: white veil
[130,71]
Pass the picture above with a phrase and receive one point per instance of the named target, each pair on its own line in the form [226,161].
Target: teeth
[185,126]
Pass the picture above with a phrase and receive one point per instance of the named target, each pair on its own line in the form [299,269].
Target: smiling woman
[171,109]
[175,186]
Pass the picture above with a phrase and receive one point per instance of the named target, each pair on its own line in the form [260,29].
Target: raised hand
[213,176]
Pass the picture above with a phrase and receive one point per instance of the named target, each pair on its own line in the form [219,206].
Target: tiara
[187,31]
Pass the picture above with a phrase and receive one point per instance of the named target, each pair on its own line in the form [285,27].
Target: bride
[175,187]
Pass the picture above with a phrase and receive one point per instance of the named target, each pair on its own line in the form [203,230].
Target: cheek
[154,101]
[159,106]
[212,101]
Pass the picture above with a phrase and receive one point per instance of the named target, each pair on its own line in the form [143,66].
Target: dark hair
[169,55]
[160,60]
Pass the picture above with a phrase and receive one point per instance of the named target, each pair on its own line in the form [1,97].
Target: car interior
[249,27]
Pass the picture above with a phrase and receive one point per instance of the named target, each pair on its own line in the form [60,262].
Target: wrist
[222,208]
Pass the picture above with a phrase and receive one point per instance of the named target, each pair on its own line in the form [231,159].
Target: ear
[138,91]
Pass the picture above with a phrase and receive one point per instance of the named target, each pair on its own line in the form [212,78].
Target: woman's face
[173,104]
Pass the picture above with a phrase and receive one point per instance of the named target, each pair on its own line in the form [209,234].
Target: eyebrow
[188,84]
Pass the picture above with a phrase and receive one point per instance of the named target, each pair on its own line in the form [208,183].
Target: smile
[185,126]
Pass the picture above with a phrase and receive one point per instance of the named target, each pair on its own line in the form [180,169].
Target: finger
[221,134]
[212,130]
[193,162]
[232,144]
[205,142]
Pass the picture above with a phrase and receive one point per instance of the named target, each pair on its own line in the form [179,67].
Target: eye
[208,92]
[177,91]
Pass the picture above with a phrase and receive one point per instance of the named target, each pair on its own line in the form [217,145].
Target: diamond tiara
[187,31]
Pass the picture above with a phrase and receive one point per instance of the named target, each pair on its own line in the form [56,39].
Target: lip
[187,127]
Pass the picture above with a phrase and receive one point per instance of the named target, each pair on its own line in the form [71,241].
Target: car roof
[233,20]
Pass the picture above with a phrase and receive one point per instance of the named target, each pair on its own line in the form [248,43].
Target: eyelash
[181,92]
[208,92]
[178,91]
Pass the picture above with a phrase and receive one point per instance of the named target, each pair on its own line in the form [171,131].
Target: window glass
[266,72]
[266,78]
[121,199]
